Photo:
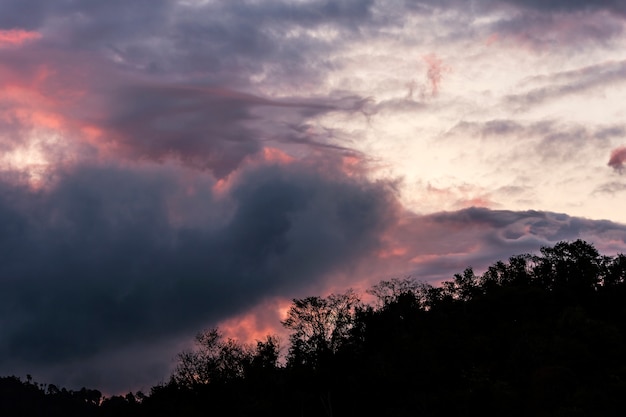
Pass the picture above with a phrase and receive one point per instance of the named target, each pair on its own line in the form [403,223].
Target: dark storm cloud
[100,261]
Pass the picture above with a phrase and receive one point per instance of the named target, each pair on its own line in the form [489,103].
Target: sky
[168,166]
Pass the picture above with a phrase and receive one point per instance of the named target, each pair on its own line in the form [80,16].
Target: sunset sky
[168,166]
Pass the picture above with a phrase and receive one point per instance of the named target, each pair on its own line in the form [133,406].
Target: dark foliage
[541,335]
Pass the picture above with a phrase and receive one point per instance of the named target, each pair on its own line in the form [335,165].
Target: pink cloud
[618,159]
[16,37]
[44,111]
[434,72]
[258,322]
[464,196]
[493,38]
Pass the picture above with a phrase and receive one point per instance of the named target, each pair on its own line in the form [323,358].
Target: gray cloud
[207,126]
[612,187]
[549,140]
[616,6]
[483,236]
[540,25]
[212,128]
[213,42]
[567,6]
[204,127]
[568,83]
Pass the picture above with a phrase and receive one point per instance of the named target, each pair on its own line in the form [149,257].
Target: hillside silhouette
[539,335]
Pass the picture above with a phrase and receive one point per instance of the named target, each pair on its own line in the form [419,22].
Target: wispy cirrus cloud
[569,83]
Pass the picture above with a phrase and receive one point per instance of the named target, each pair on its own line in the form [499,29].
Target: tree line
[535,335]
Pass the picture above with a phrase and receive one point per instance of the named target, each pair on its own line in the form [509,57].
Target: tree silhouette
[213,360]
[541,334]
[319,326]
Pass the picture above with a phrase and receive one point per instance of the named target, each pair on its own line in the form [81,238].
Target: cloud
[546,141]
[611,188]
[441,244]
[114,257]
[208,128]
[569,83]
[618,158]
[543,31]
[616,6]
[215,128]
[531,26]
[16,37]
[202,40]
[97,108]
[434,72]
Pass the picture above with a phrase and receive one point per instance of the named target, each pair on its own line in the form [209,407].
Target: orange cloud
[392,252]
[267,156]
[44,135]
[16,37]
[276,156]
[221,186]
[352,165]
[258,322]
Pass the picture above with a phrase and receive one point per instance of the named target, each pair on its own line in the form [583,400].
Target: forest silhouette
[540,335]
